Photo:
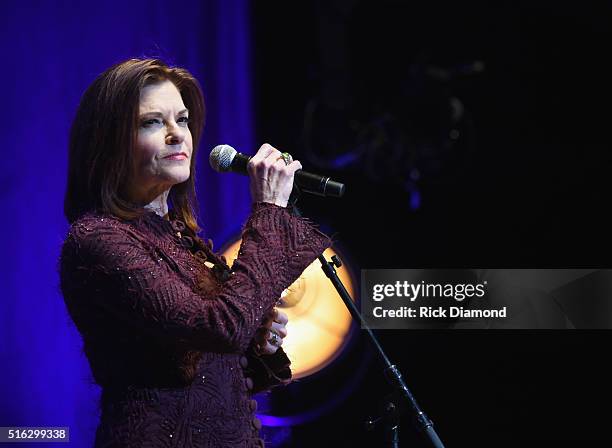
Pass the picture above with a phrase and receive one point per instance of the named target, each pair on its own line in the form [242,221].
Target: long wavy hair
[103,138]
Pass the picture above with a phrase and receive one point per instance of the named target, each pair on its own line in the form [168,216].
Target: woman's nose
[176,135]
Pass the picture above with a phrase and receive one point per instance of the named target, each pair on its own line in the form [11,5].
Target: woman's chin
[177,177]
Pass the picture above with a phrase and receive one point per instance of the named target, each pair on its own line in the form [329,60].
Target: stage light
[319,323]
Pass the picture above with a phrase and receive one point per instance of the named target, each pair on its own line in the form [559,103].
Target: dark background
[479,132]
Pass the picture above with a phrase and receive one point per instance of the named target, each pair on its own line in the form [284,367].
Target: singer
[177,340]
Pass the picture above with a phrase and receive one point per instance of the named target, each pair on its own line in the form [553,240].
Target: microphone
[224,158]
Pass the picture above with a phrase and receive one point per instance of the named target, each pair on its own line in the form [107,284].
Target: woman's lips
[177,156]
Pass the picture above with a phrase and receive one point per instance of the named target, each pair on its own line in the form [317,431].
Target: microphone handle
[239,163]
[308,182]
[319,185]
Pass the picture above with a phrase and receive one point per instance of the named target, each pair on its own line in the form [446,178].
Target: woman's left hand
[270,335]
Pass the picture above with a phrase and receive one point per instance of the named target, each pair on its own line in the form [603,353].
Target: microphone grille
[221,158]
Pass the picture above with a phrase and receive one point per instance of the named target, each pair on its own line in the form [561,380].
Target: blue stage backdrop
[51,51]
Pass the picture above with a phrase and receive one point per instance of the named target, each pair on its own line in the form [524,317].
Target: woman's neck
[159,205]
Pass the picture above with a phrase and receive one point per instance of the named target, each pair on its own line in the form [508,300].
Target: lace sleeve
[109,265]
[268,371]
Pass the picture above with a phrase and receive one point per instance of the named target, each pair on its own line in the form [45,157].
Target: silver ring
[273,338]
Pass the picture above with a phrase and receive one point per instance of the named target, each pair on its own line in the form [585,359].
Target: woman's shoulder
[96,230]
[94,222]
[100,239]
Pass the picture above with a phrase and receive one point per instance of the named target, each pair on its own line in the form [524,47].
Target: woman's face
[163,146]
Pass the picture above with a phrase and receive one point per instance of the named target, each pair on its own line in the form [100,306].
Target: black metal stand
[392,373]
[391,412]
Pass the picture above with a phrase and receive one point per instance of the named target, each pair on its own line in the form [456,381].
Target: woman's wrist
[277,203]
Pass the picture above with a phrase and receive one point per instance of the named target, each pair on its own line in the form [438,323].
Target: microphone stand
[392,374]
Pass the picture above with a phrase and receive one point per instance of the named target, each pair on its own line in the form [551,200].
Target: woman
[177,341]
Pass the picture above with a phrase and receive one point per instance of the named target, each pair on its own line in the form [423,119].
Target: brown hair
[103,135]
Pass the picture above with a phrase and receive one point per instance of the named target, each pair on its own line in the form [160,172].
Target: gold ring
[286,157]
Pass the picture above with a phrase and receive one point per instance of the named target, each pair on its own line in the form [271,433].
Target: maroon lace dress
[169,339]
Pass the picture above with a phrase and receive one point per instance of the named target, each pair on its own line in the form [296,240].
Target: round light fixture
[319,323]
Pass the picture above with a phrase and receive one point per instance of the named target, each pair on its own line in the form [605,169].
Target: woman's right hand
[271,178]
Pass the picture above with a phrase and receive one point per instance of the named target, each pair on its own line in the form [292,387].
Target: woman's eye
[183,120]
[151,122]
